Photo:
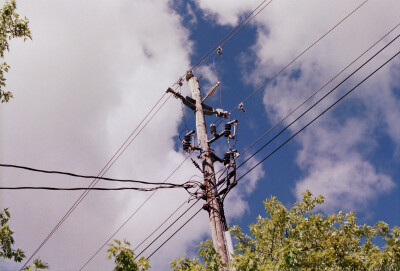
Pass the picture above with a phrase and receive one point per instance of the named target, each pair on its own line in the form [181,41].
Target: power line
[316,92]
[323,112]
[297,119]
[302,53]
[130,217]
[264,7]
[173,223]
[208,54]
[284,143]
[101,174]
[286,127]
[169,226]
[175,233]
[86,176]
[165,221]
[94,188]
[231,34]
[104,169]
[246,23]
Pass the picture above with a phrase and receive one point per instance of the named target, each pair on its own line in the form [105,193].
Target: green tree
[11,26]
[210,260]
[299,239]
[37,265]
[124,257]
[7,241]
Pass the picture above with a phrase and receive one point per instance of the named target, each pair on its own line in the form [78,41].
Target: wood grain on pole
[216,221]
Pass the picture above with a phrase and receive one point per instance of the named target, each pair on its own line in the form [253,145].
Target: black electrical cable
[302,53]
[207,55]
[318,116]
[284,143]
[101,174]
[86,176]
[84,188]
[323,112]
[232,33]
[316,92]
[175,233]
[94,183]
[159,226]
[323,97]
[246,23]
[132,215]
[291,62]
[173,223]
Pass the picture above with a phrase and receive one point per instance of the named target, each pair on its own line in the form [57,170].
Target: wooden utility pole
[216,214]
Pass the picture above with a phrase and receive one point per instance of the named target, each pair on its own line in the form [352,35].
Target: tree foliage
[38,265]
[124,257]
[299,239]
[209,260]
[7,241]
[11,26]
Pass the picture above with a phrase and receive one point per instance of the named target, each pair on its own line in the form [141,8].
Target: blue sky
[94,69]
[282,171]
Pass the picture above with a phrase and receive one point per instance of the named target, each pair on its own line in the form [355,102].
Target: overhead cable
[232,33]
[323,112]
[316,92]
[85,176]
[302,53]
[159,226]
[242,22]
[140,253]
[323,97]
[284,143]
[109,164]
[130,217]
[175,232]
[94,188]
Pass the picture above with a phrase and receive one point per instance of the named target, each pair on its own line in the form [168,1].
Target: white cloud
[226,12]
[236,199]
[347,185]
[193,18]
[88,77]
[332,152]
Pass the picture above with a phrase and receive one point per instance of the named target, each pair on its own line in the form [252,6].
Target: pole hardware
[211,91]
[230,158]
[221,113]
[196,165]
[191,103]
[227,132]
[188,142]
[228,128]
[213,129]
[241,107]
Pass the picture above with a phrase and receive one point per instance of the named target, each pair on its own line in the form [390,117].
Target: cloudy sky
[95,68]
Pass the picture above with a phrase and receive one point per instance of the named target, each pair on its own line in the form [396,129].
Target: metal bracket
[241,107]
